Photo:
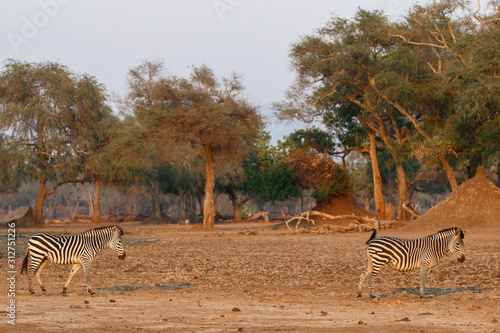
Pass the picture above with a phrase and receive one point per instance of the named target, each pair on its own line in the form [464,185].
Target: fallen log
[307,214]
[264,215]
[411,210]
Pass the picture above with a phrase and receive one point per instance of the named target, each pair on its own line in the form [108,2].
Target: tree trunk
[96,214]
[42,194]
[449,172]
[404,196]
[201,202]
[238,204]
[209,207]
[236,208]
[187,206]
[191,206]
[377,179]
[391,195]
[181,217]
[366,201]
[159,213]
[498,170]
[153,204]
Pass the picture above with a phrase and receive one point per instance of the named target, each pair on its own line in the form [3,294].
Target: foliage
[203,113]
[459,42]
[312,138]
[321,173]
[268,175]
[54,124]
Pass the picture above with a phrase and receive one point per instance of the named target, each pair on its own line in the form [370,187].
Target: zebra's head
[456,245]
[116,242]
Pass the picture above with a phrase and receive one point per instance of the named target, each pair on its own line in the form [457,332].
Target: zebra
[79,250]
[410,254]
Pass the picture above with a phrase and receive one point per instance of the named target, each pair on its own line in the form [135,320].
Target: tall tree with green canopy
[459,43]
[203,111]
[46,115]
[94,128]
[336,68]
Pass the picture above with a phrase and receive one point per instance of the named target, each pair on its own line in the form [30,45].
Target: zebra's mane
[102,228]
[462,235]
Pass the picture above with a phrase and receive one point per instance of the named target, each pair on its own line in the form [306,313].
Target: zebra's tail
[25,263]
[374,234]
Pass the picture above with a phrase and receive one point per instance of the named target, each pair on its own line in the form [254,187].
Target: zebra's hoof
[32,293]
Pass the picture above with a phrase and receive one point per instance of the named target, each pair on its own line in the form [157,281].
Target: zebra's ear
[460,233]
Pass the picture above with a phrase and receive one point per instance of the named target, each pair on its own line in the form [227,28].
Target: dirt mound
[342,206]
[27,220]
[346,205]
[473,205]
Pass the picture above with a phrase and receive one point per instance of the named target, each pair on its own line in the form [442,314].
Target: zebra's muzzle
[461,259]
[121,257]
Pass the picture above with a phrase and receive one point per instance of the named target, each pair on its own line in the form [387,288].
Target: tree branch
[73,181]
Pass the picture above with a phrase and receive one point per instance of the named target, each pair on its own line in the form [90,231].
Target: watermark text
[11,273]
[31,26]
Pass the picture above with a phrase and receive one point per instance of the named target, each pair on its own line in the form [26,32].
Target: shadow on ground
[432,292]
[156,286]
[120,289]
[138,241]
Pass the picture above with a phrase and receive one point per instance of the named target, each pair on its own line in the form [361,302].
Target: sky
[105,38]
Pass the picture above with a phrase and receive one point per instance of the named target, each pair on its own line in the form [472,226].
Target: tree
[460,46]
[203,111]
[360,179]
[268,175]
[319,172]
[335,69]
[231,180]
[45,112]
[95,127]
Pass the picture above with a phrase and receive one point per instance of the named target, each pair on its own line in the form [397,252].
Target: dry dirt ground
[175,279]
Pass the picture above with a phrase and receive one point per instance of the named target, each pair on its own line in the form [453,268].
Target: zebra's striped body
[79,250]
[410,254]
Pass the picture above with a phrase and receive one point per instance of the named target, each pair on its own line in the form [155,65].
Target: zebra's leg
[74,270]
[424,272]
[375,271]
[30,284]
[39,270]
[86,270]
[364,275]
[35,265]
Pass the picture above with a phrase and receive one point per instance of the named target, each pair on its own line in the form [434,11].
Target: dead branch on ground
[371,222]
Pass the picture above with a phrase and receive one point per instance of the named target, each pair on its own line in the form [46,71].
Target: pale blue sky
[105,38]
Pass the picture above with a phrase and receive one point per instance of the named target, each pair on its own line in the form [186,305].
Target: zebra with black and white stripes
[411,254]
[79,250]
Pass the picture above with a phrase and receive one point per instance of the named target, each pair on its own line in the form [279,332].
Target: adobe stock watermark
[11,273]
[31,26]
[222,7]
